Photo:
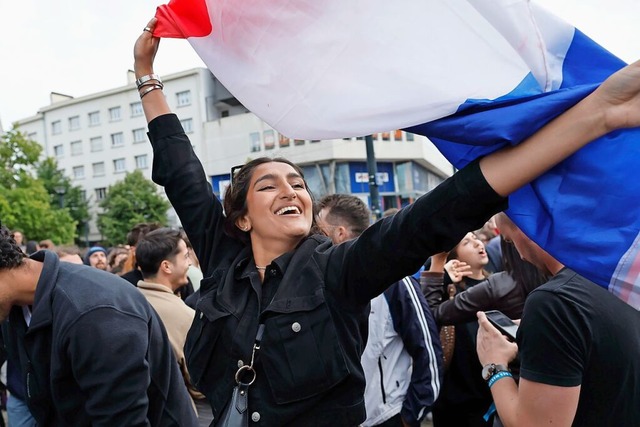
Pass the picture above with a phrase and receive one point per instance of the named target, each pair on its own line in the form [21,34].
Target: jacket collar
[42,312]
[155,287]
[301,278]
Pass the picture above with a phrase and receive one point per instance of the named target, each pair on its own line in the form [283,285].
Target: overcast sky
[78,47]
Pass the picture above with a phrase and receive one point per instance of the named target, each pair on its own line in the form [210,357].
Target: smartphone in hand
[502,323]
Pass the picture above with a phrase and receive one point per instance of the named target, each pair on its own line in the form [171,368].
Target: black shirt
[574,332]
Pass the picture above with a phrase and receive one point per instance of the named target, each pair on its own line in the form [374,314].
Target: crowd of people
[270,308]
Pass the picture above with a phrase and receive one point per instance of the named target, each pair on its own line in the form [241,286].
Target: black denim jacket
[308,369]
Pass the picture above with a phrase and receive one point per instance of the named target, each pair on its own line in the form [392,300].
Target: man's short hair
[155,247]
[11,256]
[66,250]
[390,212]
[139,230]
[345,208]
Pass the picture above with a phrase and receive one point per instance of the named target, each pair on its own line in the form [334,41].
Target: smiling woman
[281,322]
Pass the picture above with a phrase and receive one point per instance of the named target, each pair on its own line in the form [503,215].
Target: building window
[255,141]
[183,98]
[298,142]
[56,127]
[98,169]
[117,139]
[96,144]
[74,123]
[284,141]
[141,162]
[32,136]
[409,136]
[58,150]
[136,109]
[118,165]
[76,148]
[94,118]
[83,195]
[78,172]
[224,113]
[138,135]
[269,139]
[101,193]
[115,114]
[187,125]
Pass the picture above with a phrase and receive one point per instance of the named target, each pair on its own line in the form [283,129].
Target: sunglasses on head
[234,172]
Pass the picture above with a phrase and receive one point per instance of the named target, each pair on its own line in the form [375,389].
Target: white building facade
[98,138]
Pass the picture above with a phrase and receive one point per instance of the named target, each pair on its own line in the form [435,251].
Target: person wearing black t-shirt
[578,346]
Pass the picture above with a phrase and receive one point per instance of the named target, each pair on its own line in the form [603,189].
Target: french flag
[471,75]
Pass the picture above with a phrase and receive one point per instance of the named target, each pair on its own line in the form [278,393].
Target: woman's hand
[619,96]
[457,270]
[145,49]
[491,345]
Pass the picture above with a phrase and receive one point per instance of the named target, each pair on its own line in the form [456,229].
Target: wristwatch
[490,369]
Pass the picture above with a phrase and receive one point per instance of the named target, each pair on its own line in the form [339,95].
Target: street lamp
[60,191]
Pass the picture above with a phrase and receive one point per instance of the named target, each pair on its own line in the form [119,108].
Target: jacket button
[201,314]
[295,327]
[240,363]
[255,417]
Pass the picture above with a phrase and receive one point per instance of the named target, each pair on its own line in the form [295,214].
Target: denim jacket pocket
[202,337]
[301,352]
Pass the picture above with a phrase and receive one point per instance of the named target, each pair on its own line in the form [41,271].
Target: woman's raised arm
[614,105]
[144,52]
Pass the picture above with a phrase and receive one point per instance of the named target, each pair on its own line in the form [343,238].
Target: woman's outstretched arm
[614,105]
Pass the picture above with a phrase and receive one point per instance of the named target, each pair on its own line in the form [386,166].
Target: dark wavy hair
[235,198]
[525,274]
[11,256]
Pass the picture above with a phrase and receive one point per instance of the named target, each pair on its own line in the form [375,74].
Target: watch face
[488,370]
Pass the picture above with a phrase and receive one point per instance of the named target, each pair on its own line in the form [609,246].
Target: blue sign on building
[220,184]
[359,177]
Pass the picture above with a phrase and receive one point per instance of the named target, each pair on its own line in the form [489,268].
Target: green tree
[63,192]
[27,207]
[128,202]
[18,156]
[24,201]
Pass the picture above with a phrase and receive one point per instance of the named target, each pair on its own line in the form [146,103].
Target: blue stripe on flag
[585,211]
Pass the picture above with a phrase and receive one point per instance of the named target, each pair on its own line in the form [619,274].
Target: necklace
[261,268]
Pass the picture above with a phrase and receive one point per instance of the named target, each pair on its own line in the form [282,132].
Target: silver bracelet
[146,91]
[146,78]
[151,83]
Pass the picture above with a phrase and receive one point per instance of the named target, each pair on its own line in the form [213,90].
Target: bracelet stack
[148,83]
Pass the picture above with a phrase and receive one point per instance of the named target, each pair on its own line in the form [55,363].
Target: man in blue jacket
[91,350]
[403,358]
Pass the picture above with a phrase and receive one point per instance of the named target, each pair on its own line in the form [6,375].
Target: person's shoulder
[87,288]
[568,288]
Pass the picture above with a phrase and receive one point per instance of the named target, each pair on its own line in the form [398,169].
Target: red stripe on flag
[182,19]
